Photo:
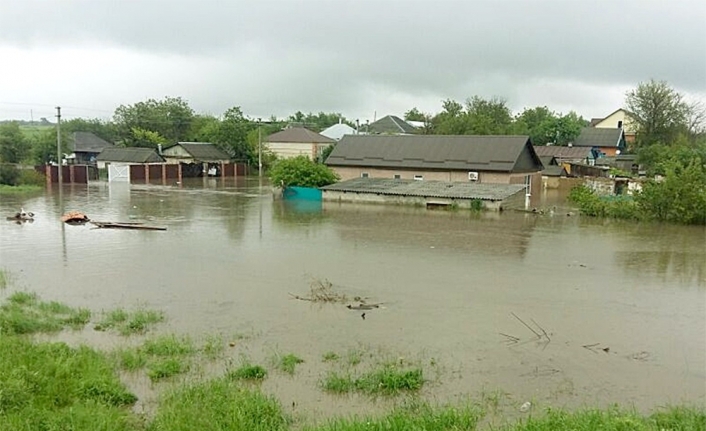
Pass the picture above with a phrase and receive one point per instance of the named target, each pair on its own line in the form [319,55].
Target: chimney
[159,149]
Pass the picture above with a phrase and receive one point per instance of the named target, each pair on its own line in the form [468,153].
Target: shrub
[9,174]
[302,172]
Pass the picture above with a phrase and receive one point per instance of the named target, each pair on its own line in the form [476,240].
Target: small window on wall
[397,176]
[419,177]
[364,175]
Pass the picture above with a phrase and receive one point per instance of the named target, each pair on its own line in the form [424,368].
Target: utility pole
[58,144]
[259,147]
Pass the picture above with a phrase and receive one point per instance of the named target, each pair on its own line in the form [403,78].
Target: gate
[118,173]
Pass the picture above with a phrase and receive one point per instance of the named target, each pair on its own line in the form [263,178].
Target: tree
[301,171]
[14,147]
[44,146]
[478,117]
[171,118]
[539,123]
[658,113]
[568,128]
[232,133]
[318,122]
[103,129]
[415,114]
[146,138]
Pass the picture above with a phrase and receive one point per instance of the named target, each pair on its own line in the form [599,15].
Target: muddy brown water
[623,305]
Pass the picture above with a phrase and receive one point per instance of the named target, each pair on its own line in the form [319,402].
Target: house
[463,158]
[561,154]
[552,171]
[194,152]
[337,131]
[85,147]
[119,161]
[391,125]
[430,194]
[608,142]
[620,119]
[298,141]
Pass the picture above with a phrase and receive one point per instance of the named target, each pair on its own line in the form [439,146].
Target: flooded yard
[554,309]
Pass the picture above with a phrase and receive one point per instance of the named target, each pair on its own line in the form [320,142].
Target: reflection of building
[488,233]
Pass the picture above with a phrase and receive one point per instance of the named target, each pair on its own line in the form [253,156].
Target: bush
[302,172]
[30,177]
[9,174]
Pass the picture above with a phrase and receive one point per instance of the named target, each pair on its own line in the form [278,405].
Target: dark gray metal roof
[600,137]
[427,189]
[299,135]
[554,171]
[203,151]
[442,152]
[129,155]
[87,142]
[563,152]
[391,124]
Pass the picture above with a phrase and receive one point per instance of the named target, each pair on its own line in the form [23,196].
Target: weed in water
[127,323]
[213,347]
[5,278]
[354,357]
[248,372]
[164,368]
[387,380]
[330,356]
[168,345]
[219,404]
[288,363]
[24,313]
[131,359]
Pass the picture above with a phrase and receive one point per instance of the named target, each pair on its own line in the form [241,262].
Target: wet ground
[558,309]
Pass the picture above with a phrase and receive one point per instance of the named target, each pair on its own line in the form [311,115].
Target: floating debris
[75,217]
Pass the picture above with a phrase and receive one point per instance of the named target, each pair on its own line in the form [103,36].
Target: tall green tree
[232,135]
[44,146]
[14,147]
[478,117]
[170,117]
[539,123]
[415,114]
[658,112]
[101,128]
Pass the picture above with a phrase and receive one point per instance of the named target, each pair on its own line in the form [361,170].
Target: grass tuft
[165,368]
[248,372]
[387,380]
[218,405]
[24,313]
[288,363]
[127,323]
[330,356]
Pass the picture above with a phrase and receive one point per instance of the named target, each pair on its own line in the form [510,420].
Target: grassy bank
[17,190]
[53,386]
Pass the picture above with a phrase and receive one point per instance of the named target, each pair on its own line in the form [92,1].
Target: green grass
[21,189]
[615,419]
[248,372]
[129,323]
[386,380]
[53,386]
[163,357]
[288,363]
[213,347]
[422,417]
[219,404]
[25,313]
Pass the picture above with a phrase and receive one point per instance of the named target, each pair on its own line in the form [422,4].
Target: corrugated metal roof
[600,137]
[563,152]
[87,142]
[299,135]
[445,152]
[129,155]
[428,189]
[203,151]
[337,131]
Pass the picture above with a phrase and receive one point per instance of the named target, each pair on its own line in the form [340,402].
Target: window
[364,175]
[620,124]
[397,176]
[528,184]
[419,177]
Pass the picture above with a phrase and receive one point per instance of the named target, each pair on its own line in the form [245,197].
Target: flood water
[623,305]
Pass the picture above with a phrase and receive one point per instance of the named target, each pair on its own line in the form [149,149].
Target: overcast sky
[361,58]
